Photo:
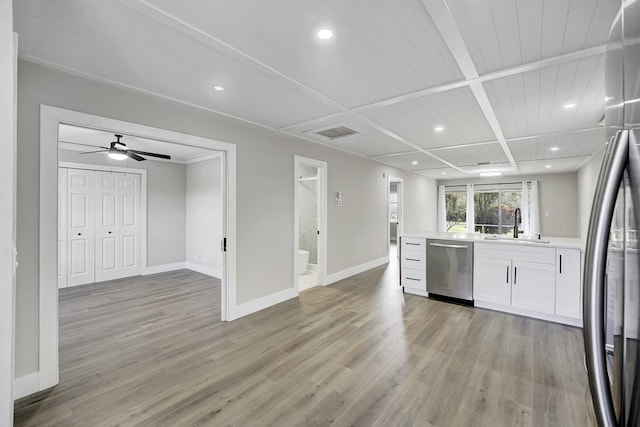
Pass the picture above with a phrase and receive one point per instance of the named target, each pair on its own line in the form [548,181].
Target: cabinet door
[568,283]
[534,286]
[492,280]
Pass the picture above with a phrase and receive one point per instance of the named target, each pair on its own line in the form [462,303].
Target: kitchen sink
[521,240]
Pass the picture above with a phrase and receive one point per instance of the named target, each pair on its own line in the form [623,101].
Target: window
[456,205]
[494,210]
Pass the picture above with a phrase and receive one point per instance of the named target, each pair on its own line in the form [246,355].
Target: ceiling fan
[119,151]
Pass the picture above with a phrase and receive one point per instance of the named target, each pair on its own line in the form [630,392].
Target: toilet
[303,260]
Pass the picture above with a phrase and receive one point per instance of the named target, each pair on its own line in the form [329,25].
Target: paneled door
[130,263]
[107,226]
[80,227]
[117,225]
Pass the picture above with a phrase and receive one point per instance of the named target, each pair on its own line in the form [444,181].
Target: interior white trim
[26,385]
[50,118]
[340,275]
[163,268]
[8,168]
[264,302]
[203,158]
[322,220]
[204,269]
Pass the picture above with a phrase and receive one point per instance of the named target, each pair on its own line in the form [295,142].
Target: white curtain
[526,223]
[534,213]
[442,209]
[471,216]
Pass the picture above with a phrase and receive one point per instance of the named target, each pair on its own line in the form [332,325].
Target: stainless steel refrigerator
[612,259]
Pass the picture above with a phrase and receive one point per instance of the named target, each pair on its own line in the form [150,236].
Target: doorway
[310,183]
[50,120]
[395,223]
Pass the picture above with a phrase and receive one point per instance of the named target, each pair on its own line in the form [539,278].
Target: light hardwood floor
[152,351]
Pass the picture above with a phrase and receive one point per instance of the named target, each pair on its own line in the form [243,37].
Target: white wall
[587,179]
[357,231]
[7,212]
[204,216]
[166,204]
[557,199]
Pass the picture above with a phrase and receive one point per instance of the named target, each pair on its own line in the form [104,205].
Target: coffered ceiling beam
[443,19]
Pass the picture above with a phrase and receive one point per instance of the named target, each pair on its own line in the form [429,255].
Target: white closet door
[62,227]
[80,227]
[130,225]
[108,226]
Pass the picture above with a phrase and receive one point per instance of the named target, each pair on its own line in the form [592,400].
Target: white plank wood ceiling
[444,83]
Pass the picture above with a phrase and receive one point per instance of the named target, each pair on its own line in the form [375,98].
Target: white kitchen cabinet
[568,283]
[534,281]
[413,265]
[492,280]
[533,286]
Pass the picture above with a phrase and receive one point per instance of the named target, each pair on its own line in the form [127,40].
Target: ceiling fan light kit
[119,151]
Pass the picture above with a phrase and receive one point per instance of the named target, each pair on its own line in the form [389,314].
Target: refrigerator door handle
[611,174]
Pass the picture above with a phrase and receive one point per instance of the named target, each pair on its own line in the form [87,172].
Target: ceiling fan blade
[89,152]
[146,153]
[86,145]
[134,156]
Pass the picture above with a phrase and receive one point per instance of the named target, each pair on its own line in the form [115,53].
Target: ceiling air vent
[337,132]
[483,163]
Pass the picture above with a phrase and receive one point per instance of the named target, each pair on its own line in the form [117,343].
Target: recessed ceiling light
[218,88]
[547,166]
[490,173]
[325,34]
[444,173]
[567,106]
[555,148]
[438,128]
[415,162]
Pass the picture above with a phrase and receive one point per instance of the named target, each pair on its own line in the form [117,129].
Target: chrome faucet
[517,215]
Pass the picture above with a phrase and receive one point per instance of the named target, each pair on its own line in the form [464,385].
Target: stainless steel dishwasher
[450,269]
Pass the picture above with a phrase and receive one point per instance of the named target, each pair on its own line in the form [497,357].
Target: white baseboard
[204,269]
[247,308]
[26,385]
[155,269]
[336,277]
[415,291]
[529,313]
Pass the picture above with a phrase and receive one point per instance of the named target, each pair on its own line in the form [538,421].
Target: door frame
[50,119]
[143,200]
[400,190]
[300,161]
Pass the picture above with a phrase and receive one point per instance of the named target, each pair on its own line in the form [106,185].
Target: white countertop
[555,242]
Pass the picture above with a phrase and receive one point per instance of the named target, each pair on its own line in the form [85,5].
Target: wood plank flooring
[152,351]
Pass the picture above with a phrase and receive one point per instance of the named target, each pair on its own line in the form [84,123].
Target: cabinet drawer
[414,279]
[413,244]
[413,259]
[516,252]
